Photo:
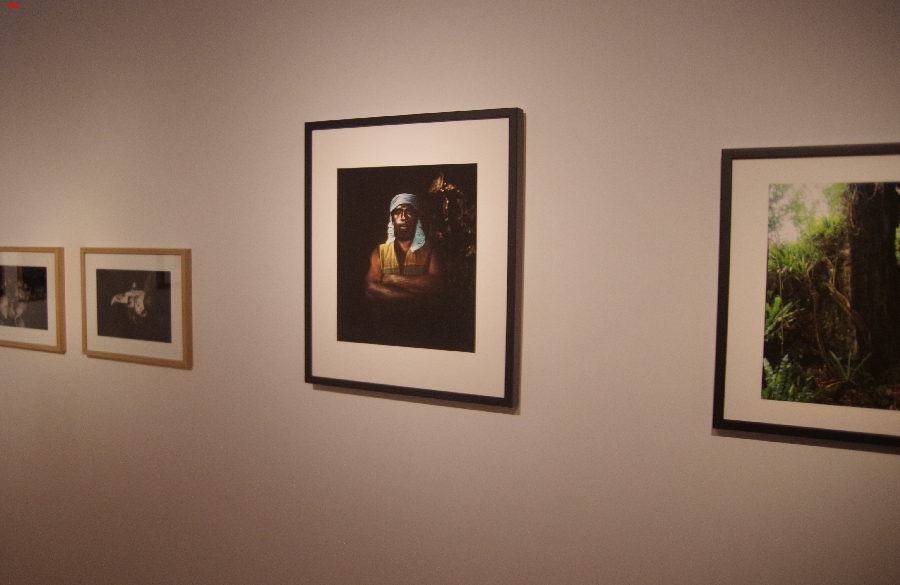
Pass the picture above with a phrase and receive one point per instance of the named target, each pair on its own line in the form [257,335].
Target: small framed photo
[136,305]
[32,299]
[413,254]
[808,340]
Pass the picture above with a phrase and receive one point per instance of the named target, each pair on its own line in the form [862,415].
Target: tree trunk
[875,275]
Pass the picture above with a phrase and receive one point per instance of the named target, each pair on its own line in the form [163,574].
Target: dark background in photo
[447,208]
[28,285]
[120,320]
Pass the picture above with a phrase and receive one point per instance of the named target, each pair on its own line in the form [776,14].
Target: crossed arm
[389,287]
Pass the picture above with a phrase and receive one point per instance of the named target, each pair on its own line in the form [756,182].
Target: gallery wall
[180,125]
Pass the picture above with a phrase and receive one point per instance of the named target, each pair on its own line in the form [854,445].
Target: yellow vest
[416,263]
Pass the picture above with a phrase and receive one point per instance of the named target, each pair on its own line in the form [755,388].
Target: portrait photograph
[413,243]
[32,298]
[809,298]
[407,255]
[136,305]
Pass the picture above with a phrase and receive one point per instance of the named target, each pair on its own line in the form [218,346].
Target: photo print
[406,255]
[832,330]
[23,297]
[134,304]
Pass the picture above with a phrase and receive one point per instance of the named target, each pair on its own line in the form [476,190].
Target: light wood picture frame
[32,298]
[136,305]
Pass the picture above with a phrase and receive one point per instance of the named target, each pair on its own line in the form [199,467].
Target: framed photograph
[32,299]
[413,254]
[808,340]
[136,305]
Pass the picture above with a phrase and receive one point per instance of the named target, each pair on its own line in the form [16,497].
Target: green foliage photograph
[832,314]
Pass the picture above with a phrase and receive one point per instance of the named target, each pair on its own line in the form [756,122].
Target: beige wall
[180,124]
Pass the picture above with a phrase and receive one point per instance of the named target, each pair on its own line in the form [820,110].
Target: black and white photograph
[413,254]
[136,305]
[23,296]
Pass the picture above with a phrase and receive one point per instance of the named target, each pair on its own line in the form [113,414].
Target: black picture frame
[459,340]
[761,189]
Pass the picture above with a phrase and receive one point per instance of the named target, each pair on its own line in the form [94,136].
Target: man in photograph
[411,282]
[404,268]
